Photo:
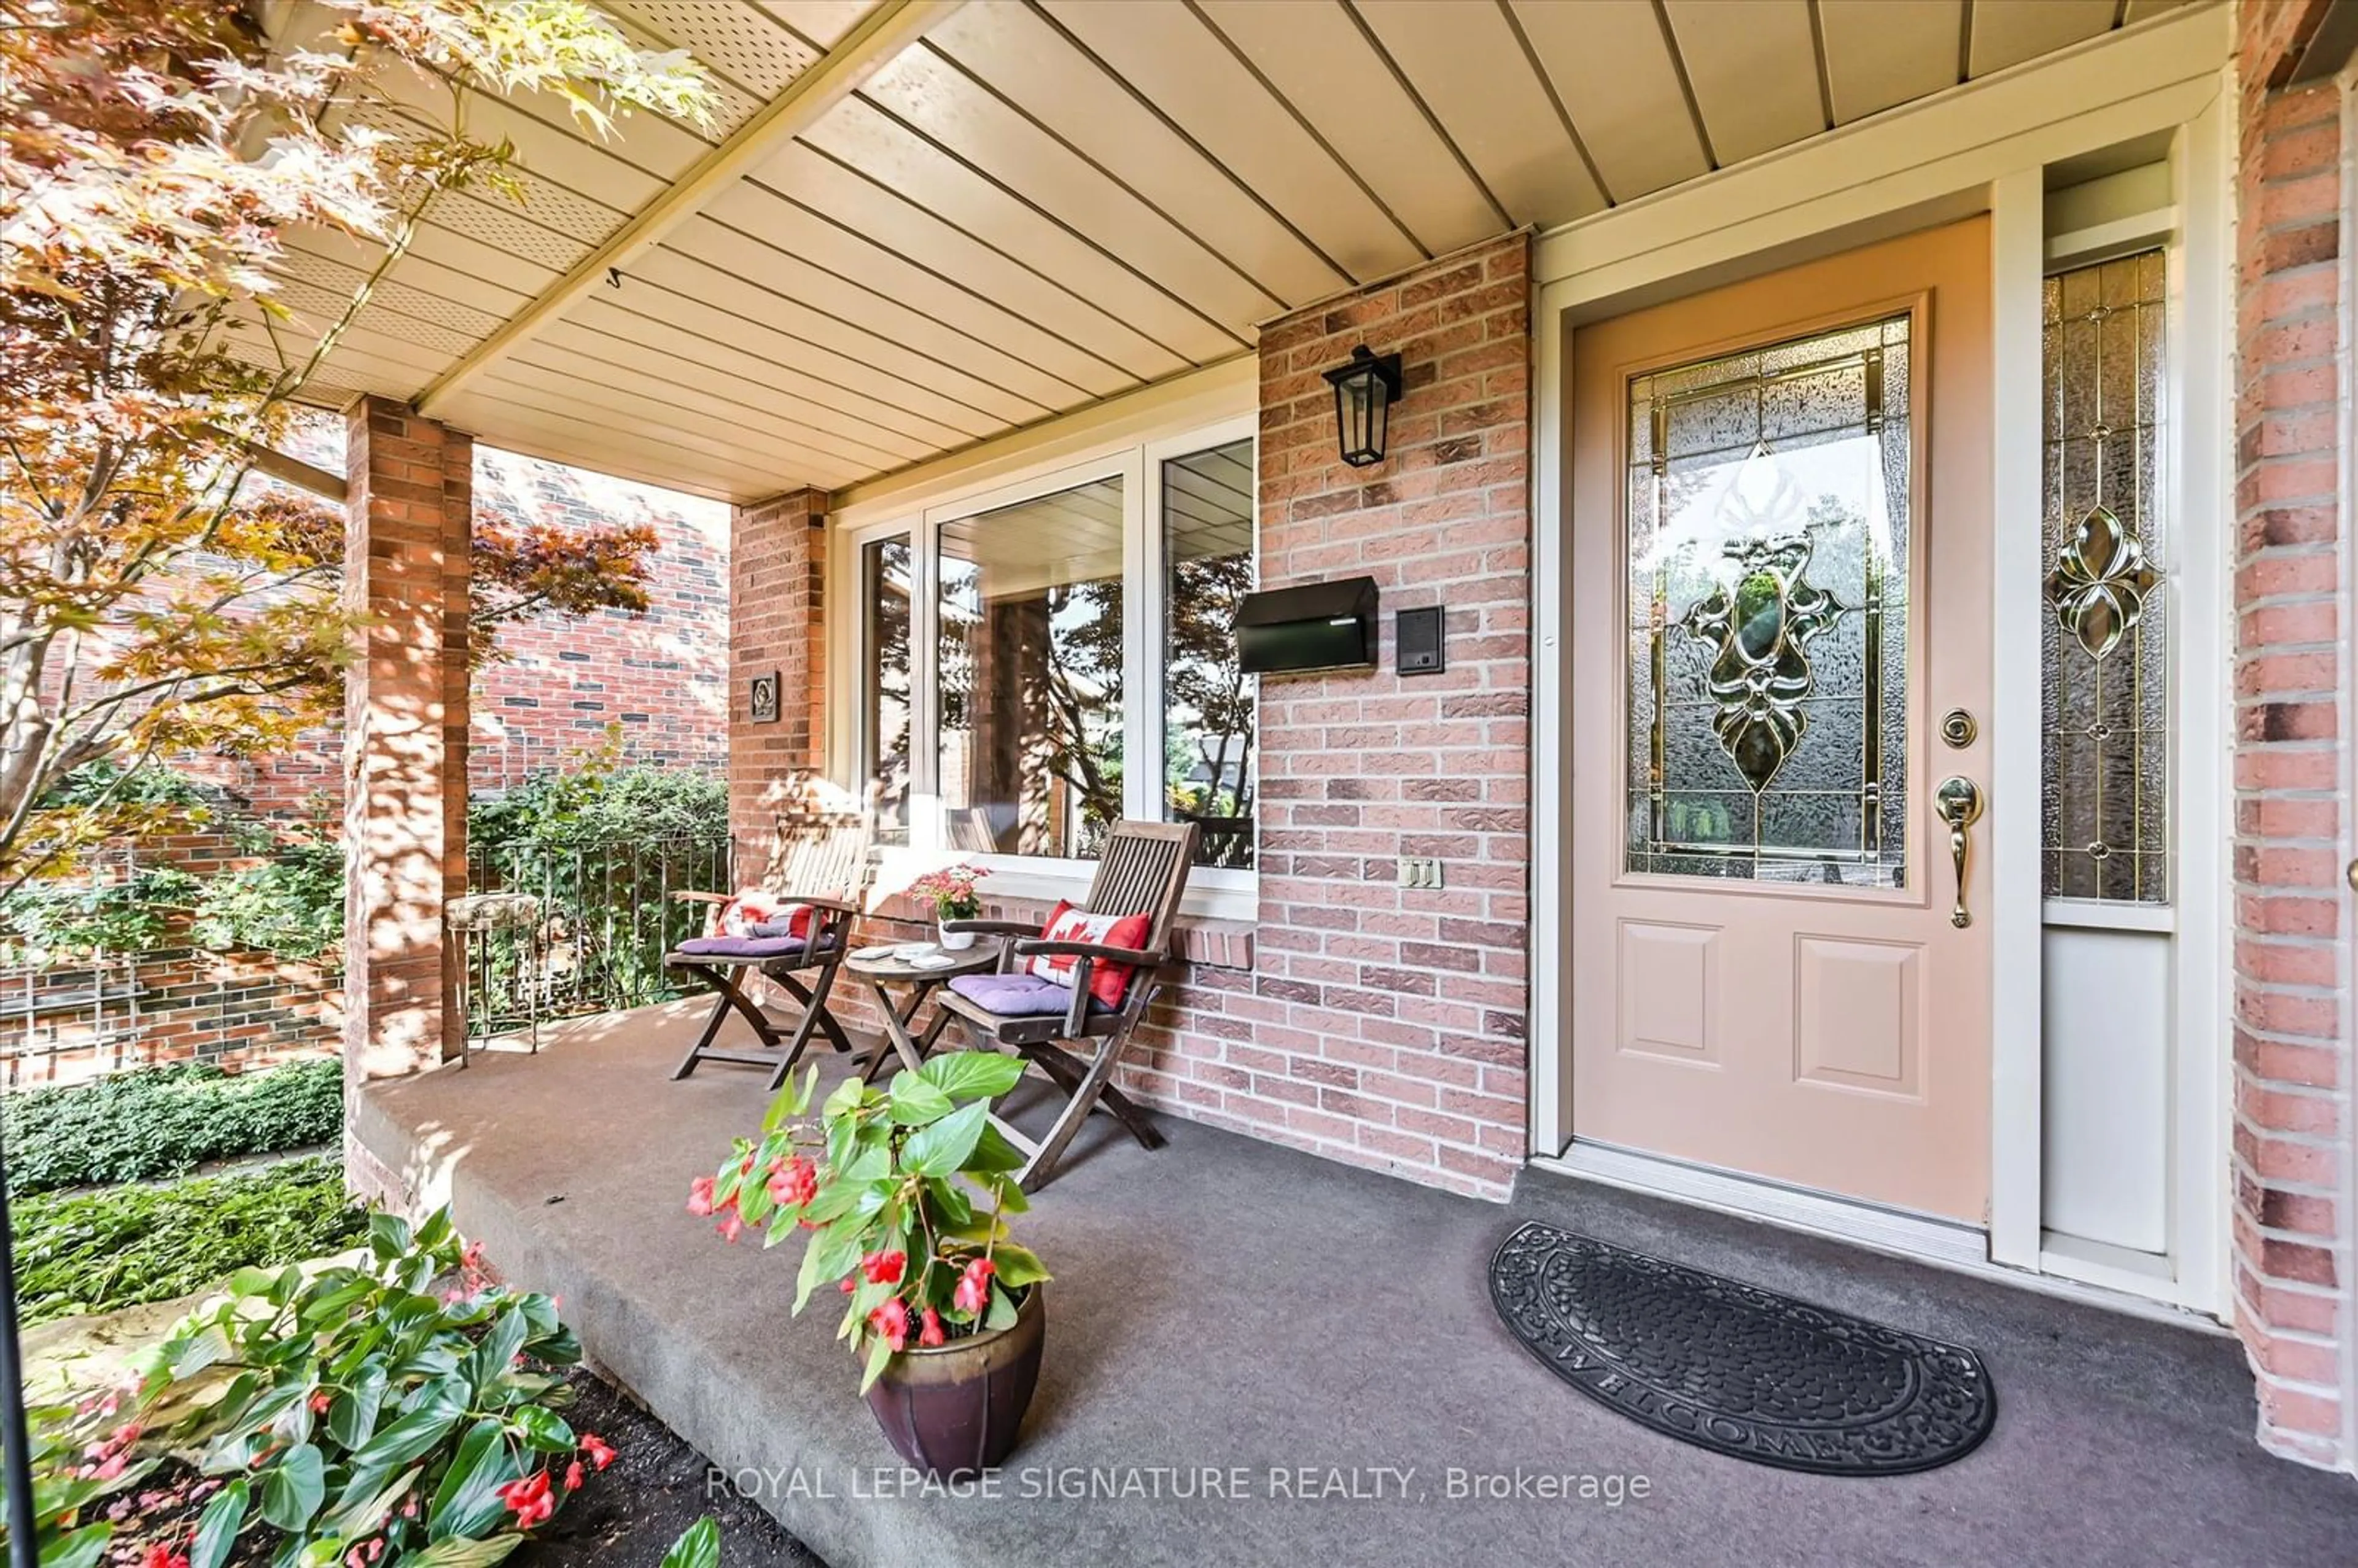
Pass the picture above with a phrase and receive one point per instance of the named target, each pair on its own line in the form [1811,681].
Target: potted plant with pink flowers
[951,892]
[905,1193]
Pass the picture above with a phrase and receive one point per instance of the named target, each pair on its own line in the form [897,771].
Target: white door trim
[2017,463]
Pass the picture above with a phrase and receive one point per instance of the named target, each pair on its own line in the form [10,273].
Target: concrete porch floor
[1229,1304]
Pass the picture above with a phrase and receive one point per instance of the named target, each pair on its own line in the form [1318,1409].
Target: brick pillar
[407,562]
[2293,1073]
[777,624]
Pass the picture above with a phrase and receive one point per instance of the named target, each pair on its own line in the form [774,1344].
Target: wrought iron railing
[605,916]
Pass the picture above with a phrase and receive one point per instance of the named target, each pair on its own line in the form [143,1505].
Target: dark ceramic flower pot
[955,1409]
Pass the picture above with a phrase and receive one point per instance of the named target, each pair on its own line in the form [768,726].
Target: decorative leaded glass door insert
[2105,757]
[1780,616]
[1767,541]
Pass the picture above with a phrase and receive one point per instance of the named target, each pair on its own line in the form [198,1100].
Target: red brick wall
[1380,1025]
[2292,1127]
[657,681]
[67,1023]
[1364,1022]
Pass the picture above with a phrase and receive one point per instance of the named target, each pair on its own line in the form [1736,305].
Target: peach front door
[1782,594]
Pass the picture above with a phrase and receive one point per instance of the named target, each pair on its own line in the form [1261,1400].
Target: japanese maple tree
[154,155]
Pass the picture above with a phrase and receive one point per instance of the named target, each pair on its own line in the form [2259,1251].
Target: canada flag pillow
[1107,982]
[750,907]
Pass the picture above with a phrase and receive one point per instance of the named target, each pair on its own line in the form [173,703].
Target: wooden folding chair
[1143,870]
[820,861]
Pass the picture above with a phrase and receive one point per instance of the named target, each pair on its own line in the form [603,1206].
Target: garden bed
[167,1121]
[96,1251]
[656,1488]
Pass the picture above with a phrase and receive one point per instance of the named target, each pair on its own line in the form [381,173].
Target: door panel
[1780,580]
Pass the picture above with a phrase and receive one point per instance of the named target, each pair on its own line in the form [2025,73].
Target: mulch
[629,1513]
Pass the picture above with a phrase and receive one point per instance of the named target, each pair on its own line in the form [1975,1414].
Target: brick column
[777,624]
[1388,1024]
[407,561]
[2293,1077]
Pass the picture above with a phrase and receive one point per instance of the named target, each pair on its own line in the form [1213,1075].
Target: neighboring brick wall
[777,570]
[658,681]
[72,1021]
[1363,1022]
[2293,1067]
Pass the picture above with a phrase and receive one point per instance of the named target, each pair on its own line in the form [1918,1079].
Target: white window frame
[1137,462]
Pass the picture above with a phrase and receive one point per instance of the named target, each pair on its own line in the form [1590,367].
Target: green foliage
[890,1201]
[599,801]
[292,905]
[65,922]
[698,1547]
[166,1121]
[357,1409]
[152,784]
[97,1252]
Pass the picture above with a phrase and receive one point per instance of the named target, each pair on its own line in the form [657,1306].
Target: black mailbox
[1312,626]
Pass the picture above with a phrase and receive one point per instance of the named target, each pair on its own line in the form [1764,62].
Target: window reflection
[1207,701]
[1031,673]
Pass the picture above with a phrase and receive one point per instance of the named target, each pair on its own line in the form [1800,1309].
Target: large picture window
[1030,655]
[1039,662]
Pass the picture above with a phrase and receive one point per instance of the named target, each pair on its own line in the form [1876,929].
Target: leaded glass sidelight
[1768,540]
[2105,746]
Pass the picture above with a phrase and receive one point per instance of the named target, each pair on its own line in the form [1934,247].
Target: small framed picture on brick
[762,701]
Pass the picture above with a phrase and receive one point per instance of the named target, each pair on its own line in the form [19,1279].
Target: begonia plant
[904,1192]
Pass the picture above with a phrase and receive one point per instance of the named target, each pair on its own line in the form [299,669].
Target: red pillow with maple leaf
[1107,982]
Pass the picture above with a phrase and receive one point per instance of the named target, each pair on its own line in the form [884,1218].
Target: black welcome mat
[1729,1367]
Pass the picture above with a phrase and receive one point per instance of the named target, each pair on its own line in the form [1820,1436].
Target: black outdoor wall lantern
[1365,391]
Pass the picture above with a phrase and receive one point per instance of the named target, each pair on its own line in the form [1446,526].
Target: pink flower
[573,1477]
[795,1181]
[529,1499]
[931,1333]
[162,1556]
[699,1196]
[731,1227]
[973,1293]
[891,1320]
[600,1451]
[884,1268]
[320,1402]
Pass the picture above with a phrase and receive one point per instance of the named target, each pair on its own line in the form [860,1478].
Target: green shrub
[65,921]
[354,1415]
[292,904]
[596,804]
[97,1252]
[166,1121]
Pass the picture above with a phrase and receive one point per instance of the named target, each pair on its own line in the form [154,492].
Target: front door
[1780,725]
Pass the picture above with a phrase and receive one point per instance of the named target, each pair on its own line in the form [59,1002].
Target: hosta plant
[905,1193]
[361,1415]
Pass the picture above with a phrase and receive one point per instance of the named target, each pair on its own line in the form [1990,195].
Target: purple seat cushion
[763,948]
[1018,996]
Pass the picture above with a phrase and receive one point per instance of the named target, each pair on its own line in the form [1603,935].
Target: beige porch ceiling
[916,224]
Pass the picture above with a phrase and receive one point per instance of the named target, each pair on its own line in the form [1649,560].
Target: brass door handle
[1958,803]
